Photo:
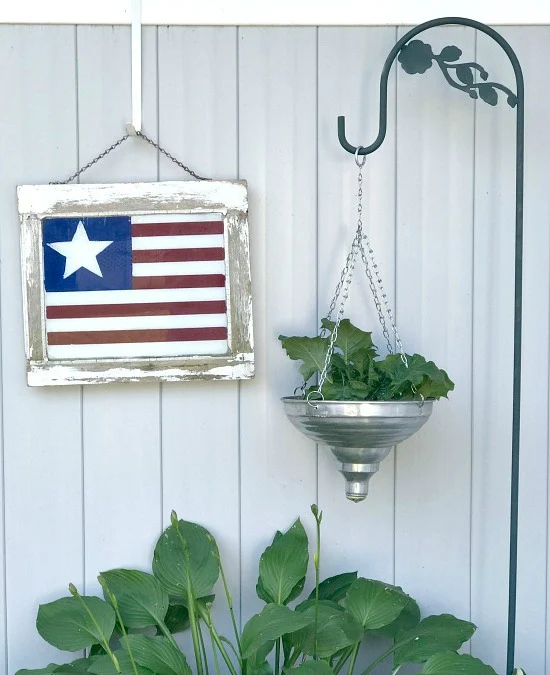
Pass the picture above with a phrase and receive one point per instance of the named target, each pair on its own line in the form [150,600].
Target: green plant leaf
[140,598]
[312,351]
[451,663]
[375,604]
[336,629]
[177,617]
[335,588]
[273,622]
[350,339]
[283,565]
[429,380]
[157,654]
[313,668]
[409,618]
[433,634]
[67,625]
[77,667]
[195,560]
[262,669]
[104,666]
[50,668]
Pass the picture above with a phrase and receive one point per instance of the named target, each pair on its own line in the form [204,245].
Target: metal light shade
[360,433]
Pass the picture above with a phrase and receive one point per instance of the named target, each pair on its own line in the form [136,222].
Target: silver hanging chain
[342,288]
[115,145]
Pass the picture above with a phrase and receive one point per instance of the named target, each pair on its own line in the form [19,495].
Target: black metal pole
[418,63]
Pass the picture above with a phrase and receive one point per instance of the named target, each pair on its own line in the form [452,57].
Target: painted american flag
[135,286]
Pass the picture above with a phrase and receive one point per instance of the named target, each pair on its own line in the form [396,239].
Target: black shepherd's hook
[416,57]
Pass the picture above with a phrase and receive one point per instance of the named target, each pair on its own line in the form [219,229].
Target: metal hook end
[311,393]
[130,129]
[359,163]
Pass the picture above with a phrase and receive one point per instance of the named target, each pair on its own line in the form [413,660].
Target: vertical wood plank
[435,126]
[121,423]
[42,446]
[277,155]
[200,420]
[350,60]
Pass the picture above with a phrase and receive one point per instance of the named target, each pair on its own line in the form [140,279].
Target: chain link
[375,284]
[115,145]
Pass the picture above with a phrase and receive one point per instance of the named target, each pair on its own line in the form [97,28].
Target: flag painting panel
[135,286]
[130,282]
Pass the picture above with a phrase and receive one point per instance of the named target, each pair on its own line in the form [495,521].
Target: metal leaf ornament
[417,56]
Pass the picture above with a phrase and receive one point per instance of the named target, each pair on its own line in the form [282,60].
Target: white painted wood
[41,429]
[284,12]
[200,421]
[434,313]
[492,363]
[121,423]
[277,153]
[349,72]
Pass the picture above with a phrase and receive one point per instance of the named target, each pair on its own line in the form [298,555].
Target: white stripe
[136,322]
[177,218]
[183,241]
[138,349]
[123,297]
[166,269]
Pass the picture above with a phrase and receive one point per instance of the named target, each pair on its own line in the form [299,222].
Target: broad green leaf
[335,588]
[104,665]
[257,663]
[429,380]
[283,565]
[451,663]
[350,339]
[409,618]
[375,604]
[50,668]
[194,561]
[312,351]
[336,629]
[262,669]
[313,668]
[433,634]
[362,361]
[141,599]
[273,622]
[157,654]
[66,623]
[177,617]
[77,667]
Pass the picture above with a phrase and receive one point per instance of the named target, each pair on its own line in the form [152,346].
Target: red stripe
[177,255]
[181,281]
[174,229]
[136,309]
[126,336]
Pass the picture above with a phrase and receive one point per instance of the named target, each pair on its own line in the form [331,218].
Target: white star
[80,252]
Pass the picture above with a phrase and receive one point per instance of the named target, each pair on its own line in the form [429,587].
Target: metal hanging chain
[342,288]
[115,145]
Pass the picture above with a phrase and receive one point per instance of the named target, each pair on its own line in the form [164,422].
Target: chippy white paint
[228,198]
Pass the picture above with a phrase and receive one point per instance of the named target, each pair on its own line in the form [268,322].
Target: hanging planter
[362,405]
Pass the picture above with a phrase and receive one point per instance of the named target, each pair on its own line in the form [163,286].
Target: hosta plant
[131,631]
[357,373]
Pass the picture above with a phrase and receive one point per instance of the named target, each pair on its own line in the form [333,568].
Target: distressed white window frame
[229,198]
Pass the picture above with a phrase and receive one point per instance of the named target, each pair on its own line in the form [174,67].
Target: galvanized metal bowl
[359,433]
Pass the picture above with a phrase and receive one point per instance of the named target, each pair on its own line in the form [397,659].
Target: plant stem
[167,634]
[317,562]
[219,644]
[203,649]
[216,660]
[381,658]
[277,656]
[103,640]
[353,658]
[342,661]
[114,603]
[190,599]
[230,605]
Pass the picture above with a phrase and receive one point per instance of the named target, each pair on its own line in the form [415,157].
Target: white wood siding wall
[90,474]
